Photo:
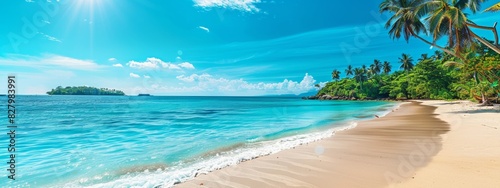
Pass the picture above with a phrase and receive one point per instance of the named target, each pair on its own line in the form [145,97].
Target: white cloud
[51,38]
[242,5]
[147,77]
[134,75]
[144,65]
[186,65]
[322,84]
[207,82]
[171,66]
[155,63]
[48,61]
[194,77]
[204,28]
[112,59]
[117,65]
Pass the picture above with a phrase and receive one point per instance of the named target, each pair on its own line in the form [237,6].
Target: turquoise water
[117,141]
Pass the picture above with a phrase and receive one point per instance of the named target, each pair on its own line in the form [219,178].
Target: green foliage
[435,77]
[84,90]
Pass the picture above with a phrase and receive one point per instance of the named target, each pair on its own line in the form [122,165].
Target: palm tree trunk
[488,44]
[407,78]
[493,29]
[434,45]
[485,100]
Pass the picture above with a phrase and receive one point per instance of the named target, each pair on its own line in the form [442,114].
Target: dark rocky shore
[344,98]
[329,97]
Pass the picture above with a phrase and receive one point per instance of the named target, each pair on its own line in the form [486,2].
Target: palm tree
[423,57]
[444,19]
[494,8]
[363,67]
[371,71]
[348,71]
[360,76]
[477,72]
[405,20]
[377,66]
[406,62]
[335,75]
[387,67]
[438,55]
[448,19]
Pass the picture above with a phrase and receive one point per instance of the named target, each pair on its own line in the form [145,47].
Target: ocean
[126,141]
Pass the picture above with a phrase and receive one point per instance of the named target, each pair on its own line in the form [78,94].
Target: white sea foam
[389,110]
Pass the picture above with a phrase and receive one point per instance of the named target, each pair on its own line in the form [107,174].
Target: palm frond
[452,64]
[494,8]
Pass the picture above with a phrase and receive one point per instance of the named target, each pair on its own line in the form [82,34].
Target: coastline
[373,154]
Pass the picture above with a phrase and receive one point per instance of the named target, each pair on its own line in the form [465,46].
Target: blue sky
[194,47]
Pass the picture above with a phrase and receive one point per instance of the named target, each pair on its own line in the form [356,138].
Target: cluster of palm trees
[438,19]
[363,73]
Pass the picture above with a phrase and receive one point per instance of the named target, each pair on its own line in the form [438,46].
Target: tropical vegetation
[468,66]
[84,90]
[438,19]
[439,76]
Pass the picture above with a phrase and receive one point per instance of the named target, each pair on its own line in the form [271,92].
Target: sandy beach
[470,156]
[419,144]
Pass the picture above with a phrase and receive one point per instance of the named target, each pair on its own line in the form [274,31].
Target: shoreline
[336,161]
[274,146]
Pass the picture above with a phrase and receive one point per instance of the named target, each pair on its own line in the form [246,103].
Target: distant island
[84,90]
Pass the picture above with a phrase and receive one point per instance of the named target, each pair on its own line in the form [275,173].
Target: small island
[84,90]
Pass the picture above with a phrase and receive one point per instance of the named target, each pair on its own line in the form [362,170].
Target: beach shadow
[437,103]
[478,111]
[446,103]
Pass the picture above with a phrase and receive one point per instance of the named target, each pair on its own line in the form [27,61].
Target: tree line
[84,90]
[440,76]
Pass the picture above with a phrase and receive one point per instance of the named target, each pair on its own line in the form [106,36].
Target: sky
[194,47]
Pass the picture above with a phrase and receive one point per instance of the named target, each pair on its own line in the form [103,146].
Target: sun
[88,11]
[86,14]
[88,2]
[88,6]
